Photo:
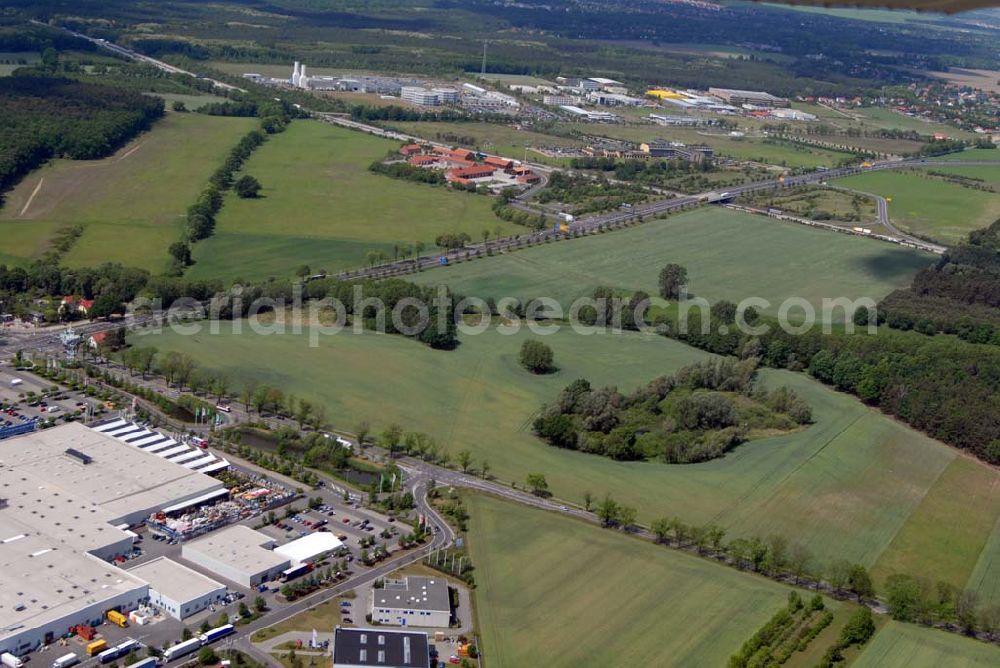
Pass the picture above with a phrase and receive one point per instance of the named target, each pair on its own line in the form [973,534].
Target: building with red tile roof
[464,175]
[500,163]
[411,149]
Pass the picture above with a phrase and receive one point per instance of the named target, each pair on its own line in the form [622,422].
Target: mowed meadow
[132,204]
[553,591]
[728,255]
[320,206]
[855,484]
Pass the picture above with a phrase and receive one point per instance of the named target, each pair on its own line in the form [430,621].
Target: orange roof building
[500,163]
[423,160]
[411,149]
[464,175]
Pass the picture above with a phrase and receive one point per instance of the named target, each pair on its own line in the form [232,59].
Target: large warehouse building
[67,496]
[176,589]
[239,554]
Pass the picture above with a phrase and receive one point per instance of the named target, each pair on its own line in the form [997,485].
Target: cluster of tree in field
[588,194]
[394,112]
[942,386]
[408,172]
[648,172]
[50,117]
[922,601]
[941,147]
[959,294]
[789,630]
[699,413]
[503,210]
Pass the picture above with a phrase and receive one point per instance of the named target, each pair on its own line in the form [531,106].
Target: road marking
[31,198]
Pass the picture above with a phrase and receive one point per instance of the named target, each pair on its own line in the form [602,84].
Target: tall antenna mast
[483,72]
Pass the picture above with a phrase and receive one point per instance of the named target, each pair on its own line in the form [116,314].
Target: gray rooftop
[240,547]
[175,581]
[414,593]
[378,647]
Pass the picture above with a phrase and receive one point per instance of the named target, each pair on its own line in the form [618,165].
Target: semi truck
[181,649]
[118,651]
[10,660]
[66,661]
[295,571]
[212,635]
[96,647]
[145,663]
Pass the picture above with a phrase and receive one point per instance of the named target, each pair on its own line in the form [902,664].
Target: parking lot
[25,398]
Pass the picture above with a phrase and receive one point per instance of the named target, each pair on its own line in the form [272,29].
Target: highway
[135,55]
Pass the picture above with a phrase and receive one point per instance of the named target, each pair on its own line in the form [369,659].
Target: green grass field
[9,60]
[552,591]
[844,487]
[991,154]
[929,207]
[943,517]
[718,248]
[192,102]
[900,645]
[322,207]
[882,117]
[132,203]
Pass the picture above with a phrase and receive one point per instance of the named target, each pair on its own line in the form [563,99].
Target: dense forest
[47,117]
[960,294]
[699,413]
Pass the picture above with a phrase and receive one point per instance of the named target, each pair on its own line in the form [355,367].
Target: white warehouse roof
[309,547]
[176,581]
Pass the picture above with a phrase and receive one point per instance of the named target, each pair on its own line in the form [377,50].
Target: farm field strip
[899,645]
[522,555]
[716,245]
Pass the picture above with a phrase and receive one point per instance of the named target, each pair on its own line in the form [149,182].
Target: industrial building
[67,497]
[238,554]
[310,548]
[663,149]
[176,589]
[584,114]
[792,115]
[362,648]
[189,456]
[754,98]
[419,96]
[412,601]
[556,100]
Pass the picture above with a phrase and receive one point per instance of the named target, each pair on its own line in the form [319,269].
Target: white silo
[303,79]
[295,74]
